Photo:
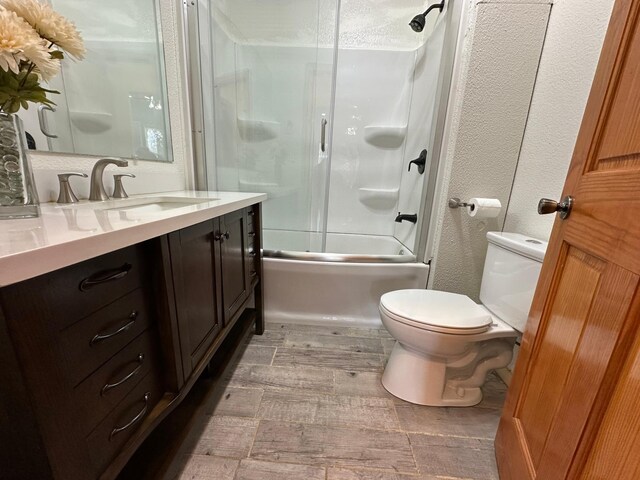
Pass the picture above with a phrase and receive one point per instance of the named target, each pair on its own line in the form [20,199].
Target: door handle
[547,206]
[43,120]
[323,135]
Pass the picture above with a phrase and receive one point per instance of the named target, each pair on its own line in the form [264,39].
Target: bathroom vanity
[109,312]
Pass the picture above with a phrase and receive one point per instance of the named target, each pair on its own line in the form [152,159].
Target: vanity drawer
[106,441]
[79,290]
[105,388]
[95,339]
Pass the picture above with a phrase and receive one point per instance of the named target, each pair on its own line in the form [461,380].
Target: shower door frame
[455,16]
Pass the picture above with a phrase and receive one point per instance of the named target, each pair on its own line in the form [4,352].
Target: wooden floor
[306,403]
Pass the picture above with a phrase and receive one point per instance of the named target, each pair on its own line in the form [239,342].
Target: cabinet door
[235,285]
[194,258]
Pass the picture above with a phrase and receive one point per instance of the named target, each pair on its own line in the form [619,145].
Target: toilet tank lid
[521,244]
[439,309]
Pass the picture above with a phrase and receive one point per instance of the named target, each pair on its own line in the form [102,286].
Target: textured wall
[568,63]
[492,92]
[151,176]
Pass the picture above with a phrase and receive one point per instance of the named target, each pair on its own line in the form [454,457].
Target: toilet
[446,343]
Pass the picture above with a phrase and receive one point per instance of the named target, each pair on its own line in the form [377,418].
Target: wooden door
[572,408]
[196,277]
[233,261]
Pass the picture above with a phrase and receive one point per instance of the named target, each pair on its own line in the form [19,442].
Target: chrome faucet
[98,192]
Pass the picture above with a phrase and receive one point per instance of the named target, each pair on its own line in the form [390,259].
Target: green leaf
[18,90]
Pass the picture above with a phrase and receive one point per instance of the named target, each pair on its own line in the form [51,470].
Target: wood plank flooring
[306,403]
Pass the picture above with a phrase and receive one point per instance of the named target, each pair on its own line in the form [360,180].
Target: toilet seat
[436,311]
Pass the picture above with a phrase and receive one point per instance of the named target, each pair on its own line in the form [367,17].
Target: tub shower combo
[336,111]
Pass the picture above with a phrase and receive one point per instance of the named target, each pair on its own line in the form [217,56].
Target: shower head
[419,21]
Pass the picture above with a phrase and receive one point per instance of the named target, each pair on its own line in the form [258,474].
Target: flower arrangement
[34,39]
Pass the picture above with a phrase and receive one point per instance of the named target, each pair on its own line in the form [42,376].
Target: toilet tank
[510,275]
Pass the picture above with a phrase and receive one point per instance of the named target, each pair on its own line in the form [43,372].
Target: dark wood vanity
[95,355]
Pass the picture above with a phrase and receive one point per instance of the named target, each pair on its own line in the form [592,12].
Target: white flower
[49,24]
[20,43]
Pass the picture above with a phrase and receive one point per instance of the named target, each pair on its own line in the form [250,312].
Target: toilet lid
[438,311]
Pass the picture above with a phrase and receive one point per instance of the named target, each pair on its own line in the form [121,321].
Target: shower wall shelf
[379,198]
[258,130]
[91,122]
[385,136]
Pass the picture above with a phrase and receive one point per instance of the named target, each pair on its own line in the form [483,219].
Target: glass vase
[18,195]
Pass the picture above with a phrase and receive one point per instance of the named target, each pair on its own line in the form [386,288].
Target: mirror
[114,102]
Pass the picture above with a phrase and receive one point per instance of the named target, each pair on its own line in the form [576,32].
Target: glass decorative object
[18,196]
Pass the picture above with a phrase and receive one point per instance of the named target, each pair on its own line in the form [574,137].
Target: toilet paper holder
[457,203]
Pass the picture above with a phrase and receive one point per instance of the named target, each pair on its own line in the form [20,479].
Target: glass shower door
[267,76]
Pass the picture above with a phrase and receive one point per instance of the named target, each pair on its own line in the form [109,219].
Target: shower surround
[323,105]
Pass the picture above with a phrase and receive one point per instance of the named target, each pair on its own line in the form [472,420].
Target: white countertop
[66,234]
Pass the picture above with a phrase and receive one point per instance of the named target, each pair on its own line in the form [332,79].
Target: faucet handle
[118,189]
[66,192]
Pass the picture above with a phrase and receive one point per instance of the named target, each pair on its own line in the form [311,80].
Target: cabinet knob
[226,235]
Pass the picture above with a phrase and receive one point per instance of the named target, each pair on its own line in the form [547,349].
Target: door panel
[552,362]
[614,453]
[235,287]
[194,257]
[267,82]
[570,411]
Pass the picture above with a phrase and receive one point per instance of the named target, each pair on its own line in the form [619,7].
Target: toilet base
[420,379]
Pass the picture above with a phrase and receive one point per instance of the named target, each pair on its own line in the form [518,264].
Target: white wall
[569,59]
[151,176]
[421,134]
[374,89]
[497,64]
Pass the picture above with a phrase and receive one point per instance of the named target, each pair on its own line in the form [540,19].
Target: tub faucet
[413,218]
[97,192]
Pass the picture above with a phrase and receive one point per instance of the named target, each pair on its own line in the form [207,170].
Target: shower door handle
[323,135]
[43,121]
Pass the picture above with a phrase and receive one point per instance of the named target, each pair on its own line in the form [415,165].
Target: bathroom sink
[143,204]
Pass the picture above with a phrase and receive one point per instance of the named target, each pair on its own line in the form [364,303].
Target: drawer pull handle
[105,336]
[104,277]
[134,420]
[132,374]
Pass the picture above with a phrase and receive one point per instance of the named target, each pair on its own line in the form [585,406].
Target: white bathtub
[338,288]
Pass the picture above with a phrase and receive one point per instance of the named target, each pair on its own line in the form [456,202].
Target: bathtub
[337,288]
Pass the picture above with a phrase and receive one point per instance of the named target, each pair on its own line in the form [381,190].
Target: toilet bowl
[446,343]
